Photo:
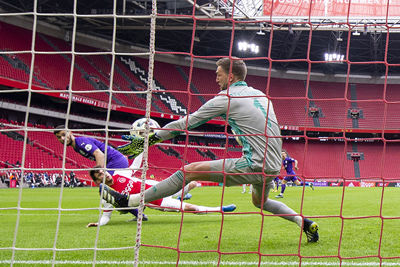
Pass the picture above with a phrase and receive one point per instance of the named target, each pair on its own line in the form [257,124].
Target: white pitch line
[207,263]
[172,214]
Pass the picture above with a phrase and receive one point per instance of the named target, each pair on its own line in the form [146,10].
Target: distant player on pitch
[291,175]
[276,182]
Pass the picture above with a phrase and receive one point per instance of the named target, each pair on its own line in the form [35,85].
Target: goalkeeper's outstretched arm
[213,108]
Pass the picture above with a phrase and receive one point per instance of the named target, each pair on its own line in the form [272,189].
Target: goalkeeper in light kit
[252,118]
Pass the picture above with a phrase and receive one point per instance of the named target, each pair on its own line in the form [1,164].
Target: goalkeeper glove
[135,147]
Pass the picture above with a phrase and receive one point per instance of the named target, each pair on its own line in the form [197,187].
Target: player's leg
[204,171]
[170,204]
[276,207]
[186,190]
[311,185]
[273,206]
[276,184]
[283,187]
[165,188]
[135,212]
[243,188]
[198,171]
[205,209]
[298,183]
[190,186]
[174,183]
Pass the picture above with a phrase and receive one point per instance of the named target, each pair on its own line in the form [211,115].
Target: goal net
[330,69]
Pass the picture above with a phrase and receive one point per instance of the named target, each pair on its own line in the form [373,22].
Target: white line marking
[209,263]
[172,214]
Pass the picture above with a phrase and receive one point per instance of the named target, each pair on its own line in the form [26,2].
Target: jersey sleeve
[215,107]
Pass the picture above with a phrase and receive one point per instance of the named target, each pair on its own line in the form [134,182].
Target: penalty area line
[204,263]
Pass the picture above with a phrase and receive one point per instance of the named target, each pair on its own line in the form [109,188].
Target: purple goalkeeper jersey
[87,145]
[288,164]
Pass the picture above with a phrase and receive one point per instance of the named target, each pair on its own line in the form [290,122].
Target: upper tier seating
[91,78]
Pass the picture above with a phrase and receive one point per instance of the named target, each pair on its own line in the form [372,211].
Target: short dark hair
[58,129]
[93,171]
[239,68]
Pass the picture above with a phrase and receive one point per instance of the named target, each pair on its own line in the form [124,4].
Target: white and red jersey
[131,185]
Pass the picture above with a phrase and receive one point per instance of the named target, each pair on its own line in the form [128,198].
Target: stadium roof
[297,44]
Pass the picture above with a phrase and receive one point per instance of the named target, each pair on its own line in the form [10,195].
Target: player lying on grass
[251,116]
[131,185]
[287,164]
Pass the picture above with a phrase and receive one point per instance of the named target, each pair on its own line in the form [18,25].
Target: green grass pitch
[66,230]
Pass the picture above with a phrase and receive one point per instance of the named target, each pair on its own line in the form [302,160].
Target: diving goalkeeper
[252,118]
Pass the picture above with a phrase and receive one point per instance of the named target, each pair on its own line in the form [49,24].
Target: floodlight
[333,57]
[248,47]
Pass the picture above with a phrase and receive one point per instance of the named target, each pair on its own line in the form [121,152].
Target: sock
[203,208]
[135,212]
[277,207]
[179,193]
[283,188]
[134,200]
[165,188]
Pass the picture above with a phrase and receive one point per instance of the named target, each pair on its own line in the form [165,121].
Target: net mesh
[311,105]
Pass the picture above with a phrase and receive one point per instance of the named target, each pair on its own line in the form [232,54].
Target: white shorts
[168,204]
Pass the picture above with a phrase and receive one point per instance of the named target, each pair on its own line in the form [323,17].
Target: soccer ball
[138,127]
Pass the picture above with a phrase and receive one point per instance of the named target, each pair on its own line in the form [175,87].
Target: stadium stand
[35,156]
[292,102]
[289,96]
[200,80]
